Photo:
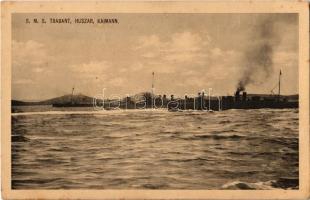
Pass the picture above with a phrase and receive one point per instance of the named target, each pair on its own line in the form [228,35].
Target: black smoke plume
[257,63]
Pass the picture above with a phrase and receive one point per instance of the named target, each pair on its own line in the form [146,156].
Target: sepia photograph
[156,101]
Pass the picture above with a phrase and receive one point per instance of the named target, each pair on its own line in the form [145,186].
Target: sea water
[72,148]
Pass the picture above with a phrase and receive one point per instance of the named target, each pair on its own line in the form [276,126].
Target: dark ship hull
[200,102]
[214,105]
[232,102]
[262,104]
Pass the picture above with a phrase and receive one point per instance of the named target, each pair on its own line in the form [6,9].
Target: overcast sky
[187,52]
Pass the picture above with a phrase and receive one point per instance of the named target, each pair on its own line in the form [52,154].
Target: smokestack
[240,88]
[237,95]
[244,96]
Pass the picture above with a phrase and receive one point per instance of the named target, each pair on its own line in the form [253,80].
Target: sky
[187,53]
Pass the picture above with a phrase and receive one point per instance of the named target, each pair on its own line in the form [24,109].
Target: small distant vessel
[111,108]
[175,110]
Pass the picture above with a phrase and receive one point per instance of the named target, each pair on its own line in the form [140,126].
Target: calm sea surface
[154,149]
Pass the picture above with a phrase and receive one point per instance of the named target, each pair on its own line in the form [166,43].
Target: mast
[153,74]
[72,95]
[279,92]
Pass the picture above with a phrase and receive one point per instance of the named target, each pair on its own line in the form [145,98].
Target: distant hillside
[19,103]
[78,99]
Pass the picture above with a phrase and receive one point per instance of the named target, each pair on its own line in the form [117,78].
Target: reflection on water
[147,149]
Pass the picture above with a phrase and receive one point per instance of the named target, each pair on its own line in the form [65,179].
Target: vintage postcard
[155,100]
